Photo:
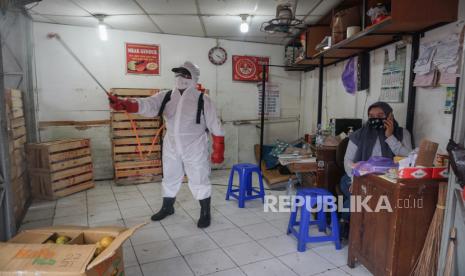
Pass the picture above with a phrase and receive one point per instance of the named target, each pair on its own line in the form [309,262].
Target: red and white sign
[142,59]
[249,68]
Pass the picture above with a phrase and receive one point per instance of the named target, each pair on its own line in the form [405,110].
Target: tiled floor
[239,241]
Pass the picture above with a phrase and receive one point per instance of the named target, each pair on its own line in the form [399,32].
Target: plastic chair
[246,191]
[302,233]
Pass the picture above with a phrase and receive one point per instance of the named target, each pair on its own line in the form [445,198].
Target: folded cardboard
[29,254]
[426,153]
[423,173]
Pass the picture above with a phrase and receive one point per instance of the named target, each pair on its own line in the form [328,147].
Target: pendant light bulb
[102,27]
[244,25]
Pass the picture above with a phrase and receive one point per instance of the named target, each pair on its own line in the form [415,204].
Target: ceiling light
[102,27]
[244,25]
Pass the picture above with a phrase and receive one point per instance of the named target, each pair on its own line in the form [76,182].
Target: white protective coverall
[186,143]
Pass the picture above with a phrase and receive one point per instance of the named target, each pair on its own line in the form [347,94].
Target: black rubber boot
[205,218]
[166,209]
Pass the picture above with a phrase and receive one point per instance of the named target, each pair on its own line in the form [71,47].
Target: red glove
[218,149]
[118,104]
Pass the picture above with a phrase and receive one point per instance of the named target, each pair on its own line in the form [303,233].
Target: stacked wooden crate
[60,168]
[17,138]
[130,168]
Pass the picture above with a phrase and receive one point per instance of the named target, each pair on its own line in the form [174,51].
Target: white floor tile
[245,219]
[129,195]
[329,252]
[358,270]
[280,224]
[148,235]
[133,271]
[229,237]
[136,212]
[280,245]
[193,244]
[207,262]
[229,272]
[116,222]
[36,224]
[130,257]
[182,230]
[179,216]
[171,267]
[104,216]
[155,251]
[69,211]
[72,220]
[219,222]
[138,220]
[272,267]
[39,214]
[260,230]
[102,207]
[247,253]
[333,272]
[306,263]
[128,204]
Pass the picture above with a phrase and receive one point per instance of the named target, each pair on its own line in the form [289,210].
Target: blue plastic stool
[302,234]
[245,191]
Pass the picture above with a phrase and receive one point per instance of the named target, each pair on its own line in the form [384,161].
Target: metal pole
[7,202]
[262,118]
[320,90]
[412,91]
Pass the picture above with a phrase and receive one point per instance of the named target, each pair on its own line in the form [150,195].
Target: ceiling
[202,18]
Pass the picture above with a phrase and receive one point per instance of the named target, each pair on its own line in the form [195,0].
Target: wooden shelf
[407,17]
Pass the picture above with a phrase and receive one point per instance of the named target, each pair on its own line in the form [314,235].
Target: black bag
[457,160]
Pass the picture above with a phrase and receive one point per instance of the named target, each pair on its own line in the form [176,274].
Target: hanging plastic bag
[349,76]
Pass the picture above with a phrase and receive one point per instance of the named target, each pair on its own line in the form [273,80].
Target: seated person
[380,136]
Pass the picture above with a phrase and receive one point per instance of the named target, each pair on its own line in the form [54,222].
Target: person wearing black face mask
[380,136]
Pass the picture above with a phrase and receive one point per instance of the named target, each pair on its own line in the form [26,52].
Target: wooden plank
[18,132]
[43,124]
[17,143]
[138,180]
[72,181]
[71,172]
[138,172]
[131,141]
[139,124]
[135,156]
[129,133]
[133,149]
[17,122]
[131,92]
[74,189]
[17,113]
[65,155]
[137,164]
[70,163]
[122,116]
[68,145]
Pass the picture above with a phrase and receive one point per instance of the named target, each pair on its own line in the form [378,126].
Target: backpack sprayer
[133,124]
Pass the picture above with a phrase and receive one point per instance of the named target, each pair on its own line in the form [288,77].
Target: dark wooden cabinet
[388,243]
[328,174]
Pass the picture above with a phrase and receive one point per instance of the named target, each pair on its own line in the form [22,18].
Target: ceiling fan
[285,20]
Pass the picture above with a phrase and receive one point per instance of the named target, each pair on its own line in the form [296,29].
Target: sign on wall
[272,100]
[249,68]
[142,59]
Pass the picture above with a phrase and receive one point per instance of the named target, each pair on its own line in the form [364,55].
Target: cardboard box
[29,254]
[440,172]
[415,173]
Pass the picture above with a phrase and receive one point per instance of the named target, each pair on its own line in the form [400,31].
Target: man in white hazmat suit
[189,116]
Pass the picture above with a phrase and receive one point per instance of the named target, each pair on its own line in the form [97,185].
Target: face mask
[183,83]
[376,123]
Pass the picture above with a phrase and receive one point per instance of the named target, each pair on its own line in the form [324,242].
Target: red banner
[249,68]
[142,59]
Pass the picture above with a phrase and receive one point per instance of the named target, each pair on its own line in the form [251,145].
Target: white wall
[66,93]
[430,121]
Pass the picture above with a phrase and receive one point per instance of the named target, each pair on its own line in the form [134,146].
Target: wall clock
[217,55]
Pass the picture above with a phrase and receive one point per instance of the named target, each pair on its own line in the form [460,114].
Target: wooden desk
[388,243]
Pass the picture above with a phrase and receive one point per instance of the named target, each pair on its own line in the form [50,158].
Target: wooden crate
[16,140]
[60,168]
[129,167]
